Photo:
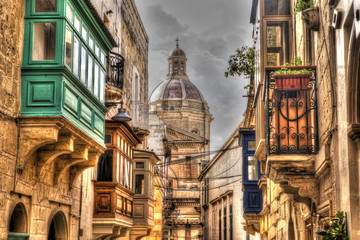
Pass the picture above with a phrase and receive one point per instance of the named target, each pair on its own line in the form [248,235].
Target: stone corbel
[308,188]
[354,131]
[252,222]
[64,163]
[36,133]
[48,153]
[78,168]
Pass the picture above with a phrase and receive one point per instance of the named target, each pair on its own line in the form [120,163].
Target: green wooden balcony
[64,64]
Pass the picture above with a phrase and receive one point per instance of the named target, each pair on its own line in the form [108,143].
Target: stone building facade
[52,113]
[308,182]
[222,197]
[179,134]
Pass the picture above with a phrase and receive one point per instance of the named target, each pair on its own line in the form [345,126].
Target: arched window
[58,227]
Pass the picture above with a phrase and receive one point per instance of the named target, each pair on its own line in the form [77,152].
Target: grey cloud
[209,32]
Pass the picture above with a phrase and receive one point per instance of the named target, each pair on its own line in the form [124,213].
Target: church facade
[179,122]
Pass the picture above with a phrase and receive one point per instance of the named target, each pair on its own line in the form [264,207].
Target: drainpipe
[81,192]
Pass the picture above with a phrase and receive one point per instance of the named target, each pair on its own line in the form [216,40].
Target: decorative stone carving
[58,143]
[252,222]
[354,131]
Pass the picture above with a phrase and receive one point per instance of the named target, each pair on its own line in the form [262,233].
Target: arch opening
[58,227]
[18,219]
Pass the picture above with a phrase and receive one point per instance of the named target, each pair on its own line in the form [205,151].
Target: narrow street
[170,120]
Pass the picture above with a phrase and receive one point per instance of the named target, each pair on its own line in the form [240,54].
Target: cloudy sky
[209,32]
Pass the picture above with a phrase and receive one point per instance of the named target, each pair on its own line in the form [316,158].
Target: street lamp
[121,116]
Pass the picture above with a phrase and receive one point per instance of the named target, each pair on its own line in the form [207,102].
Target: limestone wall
[11,39]
[226,175]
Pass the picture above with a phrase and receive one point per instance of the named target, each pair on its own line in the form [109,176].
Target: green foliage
[287,71]
[242,63]
[302,5]
[337,229]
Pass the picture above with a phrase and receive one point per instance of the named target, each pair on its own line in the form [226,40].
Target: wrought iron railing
[291,116]
[115,70]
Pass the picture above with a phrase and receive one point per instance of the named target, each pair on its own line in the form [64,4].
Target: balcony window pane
[69,13]
[140,165]
[68,46]
[76,55]
[279,7]
[84,33]
[45,5]
[83,65]
[108,139]
[44,41]
[90,74]
[77,23]
[102,57]
[97,50]
[105,166]
[253,173]
[139,184]
[91,42]
[96,80]
[102,85]
[277,40]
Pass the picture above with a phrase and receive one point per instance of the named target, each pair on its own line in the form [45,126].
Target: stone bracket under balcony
[59,146]
[252,222]
[296,174]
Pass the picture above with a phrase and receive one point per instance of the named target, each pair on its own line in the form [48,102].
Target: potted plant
[288,79]
[310,13]
[337,229]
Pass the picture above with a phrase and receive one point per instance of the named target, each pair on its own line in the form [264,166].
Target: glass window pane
[69,12]
[102,86]
[76,55]
[84,33]
[140,165]
[83,64]
[277,40]
[91,42]
[45,5]
[44,41]
[68,46]
[97,50]
[90,74]
[279,7]
[77,23]
[96,80]
[139,184]
[253,173]
[102,57]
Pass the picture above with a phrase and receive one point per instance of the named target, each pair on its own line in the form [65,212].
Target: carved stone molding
[296,174]
[35,134]
[252,222]
[59,145]
[354,131]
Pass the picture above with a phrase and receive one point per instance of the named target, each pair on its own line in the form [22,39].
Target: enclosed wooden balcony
[113,198]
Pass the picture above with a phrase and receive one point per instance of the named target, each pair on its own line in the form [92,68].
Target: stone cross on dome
[177,42]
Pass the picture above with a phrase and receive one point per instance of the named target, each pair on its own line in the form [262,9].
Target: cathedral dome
[177,85]
[177,52]
[176,89]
